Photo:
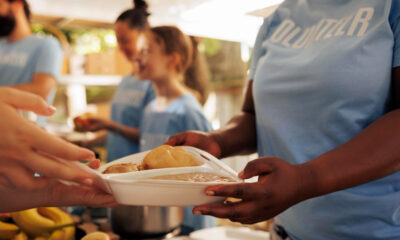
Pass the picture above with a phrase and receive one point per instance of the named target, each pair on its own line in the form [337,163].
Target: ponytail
[197,76]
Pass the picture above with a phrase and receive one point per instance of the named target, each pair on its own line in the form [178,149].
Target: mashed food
[195,177]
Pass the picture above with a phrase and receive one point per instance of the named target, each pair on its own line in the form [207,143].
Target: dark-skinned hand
[279,186]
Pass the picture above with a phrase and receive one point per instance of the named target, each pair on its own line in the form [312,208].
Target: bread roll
[166,156]
[122,168]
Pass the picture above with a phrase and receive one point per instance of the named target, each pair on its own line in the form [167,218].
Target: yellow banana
[40,238]
[8,230]
[32,223]
[61,218]
[20,236]
[57,235]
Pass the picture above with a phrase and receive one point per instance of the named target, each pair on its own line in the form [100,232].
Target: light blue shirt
[183,114]
[20,60]
[322,74]
[130,99]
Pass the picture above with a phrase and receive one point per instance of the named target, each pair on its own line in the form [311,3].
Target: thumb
[26,101]
[255,168]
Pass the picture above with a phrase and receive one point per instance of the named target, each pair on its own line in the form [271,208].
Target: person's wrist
[307,182]
[117,128]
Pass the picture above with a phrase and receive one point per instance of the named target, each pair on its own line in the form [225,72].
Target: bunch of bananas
[43,223]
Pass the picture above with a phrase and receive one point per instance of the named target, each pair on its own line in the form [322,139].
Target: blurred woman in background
[131,96]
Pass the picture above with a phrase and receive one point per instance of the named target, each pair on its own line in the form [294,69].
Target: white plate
[135,188]
[229,233]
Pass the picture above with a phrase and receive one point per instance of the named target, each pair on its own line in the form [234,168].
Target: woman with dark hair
[132,95]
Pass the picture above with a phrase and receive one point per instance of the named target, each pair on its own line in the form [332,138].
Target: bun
[140,5]
[166,156]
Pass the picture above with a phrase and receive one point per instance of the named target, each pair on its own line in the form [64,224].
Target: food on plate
[122,168]
[82,121]
[195,177]
[166,156]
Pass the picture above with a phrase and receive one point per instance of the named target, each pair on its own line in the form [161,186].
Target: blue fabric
[20,60]
[183,114]
[130,99]
[322,74]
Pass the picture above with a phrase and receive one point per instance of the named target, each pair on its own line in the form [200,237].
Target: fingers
[256,167]
[176,140]
[47,143]
[241,190]
[26,101]
[95,164]
[233,211]
[17,176]
[80,196]
[195,139]
[53,169]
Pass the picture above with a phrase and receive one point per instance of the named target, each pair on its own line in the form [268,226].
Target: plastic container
[136,188]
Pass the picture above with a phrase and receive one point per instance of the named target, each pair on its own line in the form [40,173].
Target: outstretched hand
[279,186]
[93,124]
[23,142]
[201,140]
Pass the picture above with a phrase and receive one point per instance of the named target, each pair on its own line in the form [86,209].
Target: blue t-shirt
[183,114]
[20,60]
[322,74]
[130,99]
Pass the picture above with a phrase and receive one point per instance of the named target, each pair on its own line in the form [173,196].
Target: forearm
[239,136]
[41,85]
[372,154]
[32,88]
[128,132]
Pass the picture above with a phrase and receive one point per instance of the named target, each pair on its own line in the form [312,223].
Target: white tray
[229,233]
[135,188]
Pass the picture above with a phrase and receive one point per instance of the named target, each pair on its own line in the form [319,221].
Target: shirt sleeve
[258,50]
[394,19]
[49,57]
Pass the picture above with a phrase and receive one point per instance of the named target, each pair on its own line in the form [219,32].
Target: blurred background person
[164,59]
[131,96]
[27,61]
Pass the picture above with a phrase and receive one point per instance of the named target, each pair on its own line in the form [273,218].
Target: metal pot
[142,221]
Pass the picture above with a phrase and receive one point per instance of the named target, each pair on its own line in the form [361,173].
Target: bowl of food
[164,176]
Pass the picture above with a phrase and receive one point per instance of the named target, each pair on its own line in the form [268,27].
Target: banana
[20,236]
[31,222]
[58,234]
[61,219]
[8,230]
[40,238]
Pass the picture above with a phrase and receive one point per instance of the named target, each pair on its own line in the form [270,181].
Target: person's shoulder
[50,41]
